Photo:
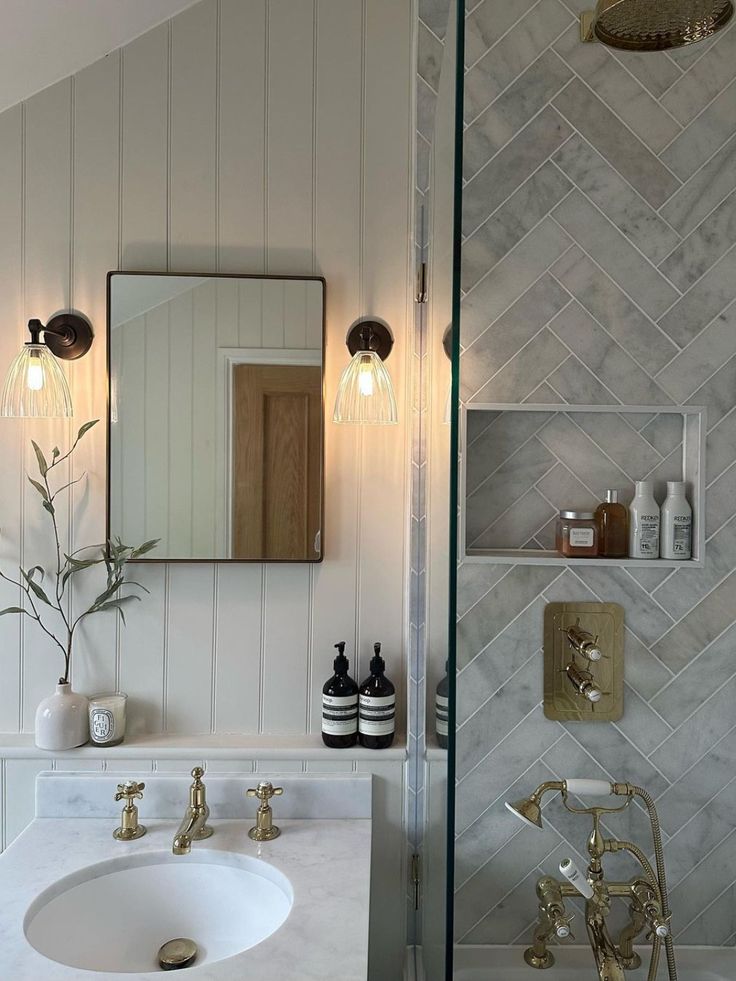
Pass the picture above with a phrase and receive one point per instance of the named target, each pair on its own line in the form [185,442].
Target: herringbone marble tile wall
[599,266]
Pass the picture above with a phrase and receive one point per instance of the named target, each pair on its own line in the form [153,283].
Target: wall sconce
[365,393]
[35,385]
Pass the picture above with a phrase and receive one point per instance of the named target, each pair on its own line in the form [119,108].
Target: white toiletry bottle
[677,523]
[644,522]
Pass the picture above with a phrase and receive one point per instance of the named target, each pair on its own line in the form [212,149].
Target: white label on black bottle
[442,709]
[377,715]
[340,715]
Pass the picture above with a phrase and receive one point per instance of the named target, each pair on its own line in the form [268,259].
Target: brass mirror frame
[200,275]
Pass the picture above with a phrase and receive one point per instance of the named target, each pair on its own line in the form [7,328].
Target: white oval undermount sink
[115,916]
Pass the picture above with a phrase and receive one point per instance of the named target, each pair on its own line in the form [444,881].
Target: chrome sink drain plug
[177,954]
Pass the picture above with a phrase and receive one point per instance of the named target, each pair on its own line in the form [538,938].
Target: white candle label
[103,725]
[581,537]
[340,715]
[377,715]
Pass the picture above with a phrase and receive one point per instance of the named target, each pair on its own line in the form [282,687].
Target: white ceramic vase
[62,719]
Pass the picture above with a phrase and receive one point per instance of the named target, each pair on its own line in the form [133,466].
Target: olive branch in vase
[48,593]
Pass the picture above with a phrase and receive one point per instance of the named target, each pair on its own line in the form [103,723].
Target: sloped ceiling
[43,41]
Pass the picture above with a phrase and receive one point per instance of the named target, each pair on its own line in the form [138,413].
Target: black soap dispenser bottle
[340,705]
[377,715]
[442,709]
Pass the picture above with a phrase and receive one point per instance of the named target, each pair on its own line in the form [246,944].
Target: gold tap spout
[194,825]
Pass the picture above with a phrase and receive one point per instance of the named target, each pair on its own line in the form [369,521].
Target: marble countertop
[326,861]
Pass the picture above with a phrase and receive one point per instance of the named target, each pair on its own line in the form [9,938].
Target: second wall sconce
[366,393]
[35,386]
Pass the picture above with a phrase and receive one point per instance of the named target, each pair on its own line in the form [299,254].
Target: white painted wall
[258,137]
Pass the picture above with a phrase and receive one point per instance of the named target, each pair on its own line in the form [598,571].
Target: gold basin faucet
[194,825]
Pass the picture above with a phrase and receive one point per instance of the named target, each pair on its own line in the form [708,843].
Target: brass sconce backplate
[564,664]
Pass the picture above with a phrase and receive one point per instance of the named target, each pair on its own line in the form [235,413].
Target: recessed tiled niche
[521,464]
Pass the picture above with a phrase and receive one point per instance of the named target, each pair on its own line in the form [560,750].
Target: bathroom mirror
[216,415]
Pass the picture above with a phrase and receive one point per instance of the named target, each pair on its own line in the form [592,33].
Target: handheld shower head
[529,809]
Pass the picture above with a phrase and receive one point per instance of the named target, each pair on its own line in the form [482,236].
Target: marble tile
[605,358]
[512,110]
[687,587]
[717,393]
[525,370]
[620,442]
[643,617]
[603,242]
[612,308]
[429,57]
[498,442]
[563,490]
[711,926]
[491,350]
[720,448]
[579,454]
[644,672]
[474,581]
[435,13]
[526,207]
[518,523]
[513,54]
[488,23]
[578,386]
[719,501]
[503,657]
[640,724]
[629,212]
[697,735]
[706,882]
[703,302]
[704,190]
[664,432]
[510,279]
[705,674]
[491,498]
[656,74]
[703,247]
[624,152]
[705,135]
[499,714]
[514,593]
[619,90]
[498,180]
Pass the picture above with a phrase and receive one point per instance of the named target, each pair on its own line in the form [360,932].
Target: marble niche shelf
[685,461]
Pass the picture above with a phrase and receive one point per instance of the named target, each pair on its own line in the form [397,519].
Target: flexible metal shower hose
[662,879]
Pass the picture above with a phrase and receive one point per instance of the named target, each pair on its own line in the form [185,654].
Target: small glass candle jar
[107,718]
[577,534]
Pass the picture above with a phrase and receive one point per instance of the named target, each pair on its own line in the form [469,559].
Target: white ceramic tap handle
[589,788]
[573,874]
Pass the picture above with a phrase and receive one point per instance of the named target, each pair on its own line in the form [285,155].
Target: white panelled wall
[267,136]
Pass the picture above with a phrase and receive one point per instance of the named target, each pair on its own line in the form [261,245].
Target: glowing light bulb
[34,376]
[365,378]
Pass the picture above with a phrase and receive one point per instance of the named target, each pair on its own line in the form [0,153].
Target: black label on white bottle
[340,715]
[377,715]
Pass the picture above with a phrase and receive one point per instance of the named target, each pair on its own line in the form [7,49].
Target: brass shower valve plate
[562,701]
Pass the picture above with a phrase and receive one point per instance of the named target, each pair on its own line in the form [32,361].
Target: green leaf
[56,452]
[12,609]
[117,604]
[36,589]
[145,548]
[40,488]
[32,572]
[49,507]
[42,465]
[86,428]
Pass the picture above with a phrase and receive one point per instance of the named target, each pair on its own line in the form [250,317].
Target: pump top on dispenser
[340,705]
[377,713]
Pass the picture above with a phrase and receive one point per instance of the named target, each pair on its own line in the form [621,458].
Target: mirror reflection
[216,413]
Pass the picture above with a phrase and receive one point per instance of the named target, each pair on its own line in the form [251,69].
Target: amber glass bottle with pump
[611,518]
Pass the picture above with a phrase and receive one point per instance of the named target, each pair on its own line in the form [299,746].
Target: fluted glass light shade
[365,393]
[36,386]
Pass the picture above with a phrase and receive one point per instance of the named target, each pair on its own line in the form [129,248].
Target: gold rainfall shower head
[654,25]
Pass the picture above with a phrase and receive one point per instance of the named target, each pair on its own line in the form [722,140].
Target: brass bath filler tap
[647,895]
